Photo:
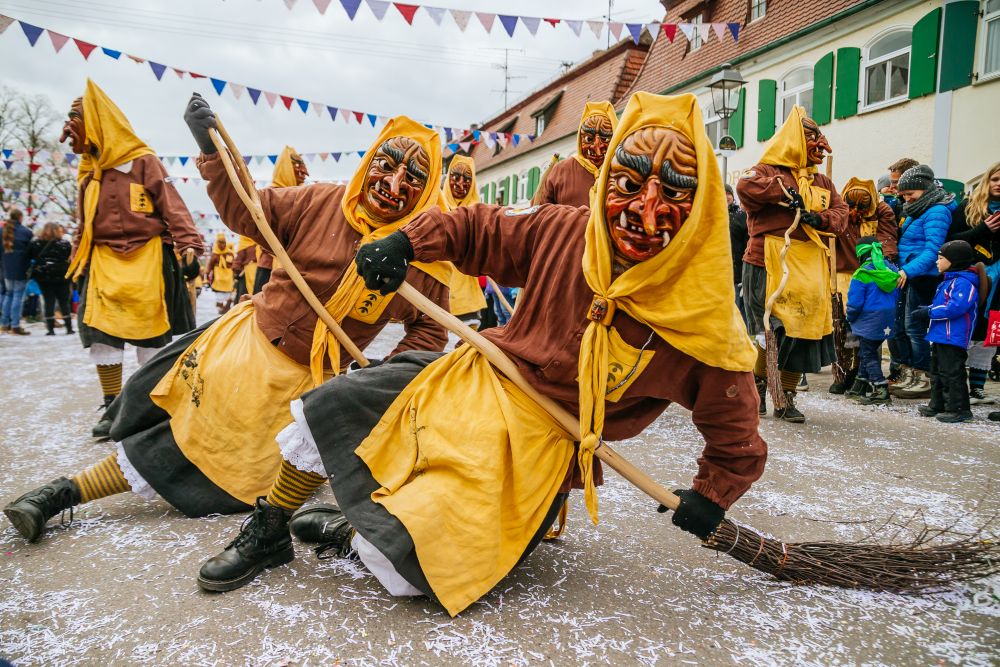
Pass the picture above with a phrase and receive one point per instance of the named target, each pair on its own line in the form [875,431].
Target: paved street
[118,585]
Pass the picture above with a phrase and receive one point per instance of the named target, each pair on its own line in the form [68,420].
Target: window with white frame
[713,128]
[539,124]
[522,187]
[886,69]
[758,8]
[991,39]
[696,40]
[796,88]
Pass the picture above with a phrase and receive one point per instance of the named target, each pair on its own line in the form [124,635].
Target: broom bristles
[926,563]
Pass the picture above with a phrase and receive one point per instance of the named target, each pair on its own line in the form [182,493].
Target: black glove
[383,263]
[812,219]
[795,199]
[697,514]
[372,363]
[199,118]
[921,315]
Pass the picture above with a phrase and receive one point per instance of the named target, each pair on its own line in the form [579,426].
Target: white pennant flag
[575,26]
[486,19]
[346,115]
[437,13]
[290,3]
[321,5]
[703,30]
[461,18]
[720,30]
[688,30]
[531,23]
[596,27]
[378,8]
[318,108]
[236,89]
[616,29]
[653,29]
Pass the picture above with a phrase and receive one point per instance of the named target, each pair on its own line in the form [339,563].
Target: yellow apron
[473,491]
[125,292]
[222,276]
[228,397]
[844,284]
[804,305]
[466,296]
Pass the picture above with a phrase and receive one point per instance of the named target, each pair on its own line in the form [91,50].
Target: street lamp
[725,87]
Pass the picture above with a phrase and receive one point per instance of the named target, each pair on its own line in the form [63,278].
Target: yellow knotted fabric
[284,170]
[465,295]
[352,287]
[448,201]
[682,294]
[594,109]
[114,142]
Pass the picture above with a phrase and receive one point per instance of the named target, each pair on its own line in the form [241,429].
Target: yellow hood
[787,149]
[591,109]
[448,201]
[284,171]
[867,186]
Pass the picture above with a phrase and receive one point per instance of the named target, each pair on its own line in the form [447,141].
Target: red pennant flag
[670,30]
[85,47]
[552,22]
[34,166]
[359,115]
[287,101]
[407,11]
[196,76]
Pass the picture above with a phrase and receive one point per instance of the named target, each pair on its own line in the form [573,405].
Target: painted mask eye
[627,186]
[673,194]
[383,164]
[413,180]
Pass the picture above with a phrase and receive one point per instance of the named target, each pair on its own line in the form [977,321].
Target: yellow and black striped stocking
[293,487]
[110,376]
[790,380]
[101,480]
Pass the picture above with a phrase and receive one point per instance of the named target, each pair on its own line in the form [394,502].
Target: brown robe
[568,183]
[120,228]
[541,250]
[887,233]
[760,196]
[322,244]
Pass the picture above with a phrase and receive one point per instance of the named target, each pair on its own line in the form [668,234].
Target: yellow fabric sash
[232,364]
[448,201]
[472,491]
[667,292]
[114,143]
[594,109]
[125,292]
[284,170]
[804,304]
[351,289]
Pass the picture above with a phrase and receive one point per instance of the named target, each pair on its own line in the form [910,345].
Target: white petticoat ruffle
[297,444]
[136,482]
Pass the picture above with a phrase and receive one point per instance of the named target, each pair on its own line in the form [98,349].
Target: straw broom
[924,563]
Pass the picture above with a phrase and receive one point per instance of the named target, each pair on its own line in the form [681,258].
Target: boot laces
[339,545]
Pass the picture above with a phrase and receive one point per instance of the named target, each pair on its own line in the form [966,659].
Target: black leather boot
[50,326]
[790,413]
[324,524]
[30,512]
[69,326]
[102,431]
[848,383]
[263,542]
[858,389]
[879,396]
[762,392]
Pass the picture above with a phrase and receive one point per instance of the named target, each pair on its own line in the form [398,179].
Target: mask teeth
[666,238]
[622,221]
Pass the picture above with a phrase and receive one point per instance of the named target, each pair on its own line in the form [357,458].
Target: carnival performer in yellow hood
[569,182]
[131,222]
[446,473]
[459,189]
[220,273]
[197,426]
[784,180]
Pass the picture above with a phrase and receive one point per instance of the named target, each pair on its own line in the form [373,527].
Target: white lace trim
[297,445]
[139,486]
[382,568]
[106,355]
[144,354]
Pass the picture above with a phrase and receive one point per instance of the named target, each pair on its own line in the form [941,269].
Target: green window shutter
[506,191]
[767,94]
[958,53]
[492,195]
[513,188]
[534,174]
[924,54]
[823,89]
[956,188]
[845,103]
[738,119]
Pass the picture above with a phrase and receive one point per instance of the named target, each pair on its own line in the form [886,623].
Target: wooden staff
[242,182]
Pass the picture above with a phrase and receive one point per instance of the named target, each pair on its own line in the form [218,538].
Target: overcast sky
[434,74]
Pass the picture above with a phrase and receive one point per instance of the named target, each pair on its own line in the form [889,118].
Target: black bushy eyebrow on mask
[414,170]
[672,178]
[641,164]
[392,152]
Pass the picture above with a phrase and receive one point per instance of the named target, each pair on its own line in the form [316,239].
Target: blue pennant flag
[351,7]
[8,163]
[361,153]
[509,23]
[517,139]
[336,157]
[453,147]
[734,29]
[183,159]
[218,84]
[32,32]
[110,53]
[303,104]
[372,118]
[7,152]
[254,94]
[476,134]
[158,69]
[273,159]
[333,112]
[247,158]
[635,29]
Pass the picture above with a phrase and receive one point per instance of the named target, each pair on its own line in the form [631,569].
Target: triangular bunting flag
[359,116]
[324,156]
[378,7]
[486,18]
[477,134]
[273,159]
[8,163]
[85,47]
[271,98]
[32,32]
[110,53]
[321,5]
[158,69]
[688,30]
[734,30]
[531,23]
[552,22]
[346,115]
[720,30]
[575,26]
[183,160]
[236,89]
[461,18]
[703,30]
[7,152]
[351,7]
[218,84]
[466,145]
[616,29]
[437,13]
[453,147]
[136,59]
[653,29]
[303,104]
[335,156]
[170,159]
[596,27]
[361,153]
[195,75]
[5,22]
[508,22]
[372,118]
[407,11]
[634,29]
[58,41]
[670,30]
[178,72]
[333,112]
[290,3]
[287,101]
[317,108]
[254,94]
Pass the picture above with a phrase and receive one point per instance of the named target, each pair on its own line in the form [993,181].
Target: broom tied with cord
[924,563]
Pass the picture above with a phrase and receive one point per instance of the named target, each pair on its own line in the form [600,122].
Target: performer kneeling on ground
[131,222]
[446,472]
[197,424]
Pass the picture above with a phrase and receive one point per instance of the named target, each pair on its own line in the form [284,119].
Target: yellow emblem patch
[139,199]
[625,364]
[370,306]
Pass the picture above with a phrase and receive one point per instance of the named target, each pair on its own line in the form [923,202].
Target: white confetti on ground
[118,585]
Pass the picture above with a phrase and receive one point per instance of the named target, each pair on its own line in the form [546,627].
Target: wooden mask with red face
[396,178]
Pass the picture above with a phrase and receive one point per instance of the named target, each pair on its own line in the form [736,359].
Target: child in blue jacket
[871,312]
[952,317]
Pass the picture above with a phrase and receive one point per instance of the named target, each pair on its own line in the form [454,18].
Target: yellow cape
[448,201]
[590,109]
[684,293]
[284,171]
[352,288]
[109,132]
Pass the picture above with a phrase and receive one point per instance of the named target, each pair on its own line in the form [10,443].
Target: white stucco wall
[537,157]
[974,141]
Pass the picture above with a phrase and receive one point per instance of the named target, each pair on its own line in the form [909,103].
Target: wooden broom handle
[500,297]
[571,424]
[832,242]
[243,184]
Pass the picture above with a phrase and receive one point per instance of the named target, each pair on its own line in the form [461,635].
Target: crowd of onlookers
[930,292]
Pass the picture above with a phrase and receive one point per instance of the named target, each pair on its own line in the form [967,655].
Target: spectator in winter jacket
[49,254]
[952,317]
[871,312]
[16,238]
[927,217]
[977,221]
